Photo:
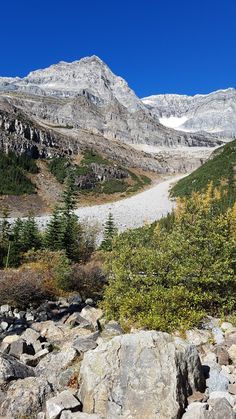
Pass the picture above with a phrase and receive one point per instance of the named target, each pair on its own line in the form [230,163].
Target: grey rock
[33,360]
[221,408]
[30,336]
[25,398]
[20,347]
[197,410]
[85,343]
[12,369]
[5,308]
[76,319]
[225,326]
[222,355]
[66,414]
[63,401]
[217,381]
[4,325]
[92,315]
[54,363]
[198,337]
[222,395]
[218,335]
[89,302]
[147,373]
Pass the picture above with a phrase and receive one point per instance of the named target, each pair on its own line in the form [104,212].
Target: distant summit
[214,113]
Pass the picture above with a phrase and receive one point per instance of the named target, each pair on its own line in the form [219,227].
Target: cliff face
[213,113]
[86,94]
[72,106]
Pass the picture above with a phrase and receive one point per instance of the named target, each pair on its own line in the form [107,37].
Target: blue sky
[168,46]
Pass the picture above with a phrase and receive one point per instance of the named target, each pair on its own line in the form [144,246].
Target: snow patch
[173,121]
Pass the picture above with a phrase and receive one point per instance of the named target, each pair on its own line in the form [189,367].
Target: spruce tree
[17,243]
[110,231]
[5,229]
[31,238]
[54,235]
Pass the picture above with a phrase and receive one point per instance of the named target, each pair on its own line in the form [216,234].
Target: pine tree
[31,238]
[110,231]
[17,243]
[54,235]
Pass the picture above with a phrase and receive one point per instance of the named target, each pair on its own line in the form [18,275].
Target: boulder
[63,401]
[20,347]
[232,389]
[226,326]
[146,374]
[54,363]
[222,355]
[11,338]
[217,380]
[92,315]
[85,343]
[221,409]
[76,319]
[111,329]
[222,395]
[25,398]
[197,411]
[5,308]
[198,337]
[12,369]
[232,353]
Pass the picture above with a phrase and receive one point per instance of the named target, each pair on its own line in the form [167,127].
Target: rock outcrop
[67,362]
[148,374]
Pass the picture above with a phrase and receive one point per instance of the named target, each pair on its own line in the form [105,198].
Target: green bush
[59,168]
[168,276]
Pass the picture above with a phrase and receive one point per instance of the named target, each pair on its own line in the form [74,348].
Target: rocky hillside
[214,113]
[61,360]
[219,169]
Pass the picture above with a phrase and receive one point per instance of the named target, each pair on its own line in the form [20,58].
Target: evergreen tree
[54,236]
[31,238]
[71,226]
[110,231]
[17,243]
[5,229]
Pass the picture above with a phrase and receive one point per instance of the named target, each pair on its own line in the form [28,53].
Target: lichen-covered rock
[12,369]
[25,398]
[54,363]
[147,374]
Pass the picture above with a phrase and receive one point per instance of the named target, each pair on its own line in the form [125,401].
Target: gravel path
[132,212]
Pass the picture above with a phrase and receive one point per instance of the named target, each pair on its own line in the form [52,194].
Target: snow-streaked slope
[213,113]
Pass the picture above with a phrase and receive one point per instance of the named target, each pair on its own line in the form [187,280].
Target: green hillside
[220,170]
[13,170]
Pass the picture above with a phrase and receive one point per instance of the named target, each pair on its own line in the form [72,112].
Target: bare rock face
[147,374]
[74,102]
[212,113]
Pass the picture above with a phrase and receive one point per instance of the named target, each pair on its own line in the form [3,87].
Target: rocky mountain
[213,113]
[86,94]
